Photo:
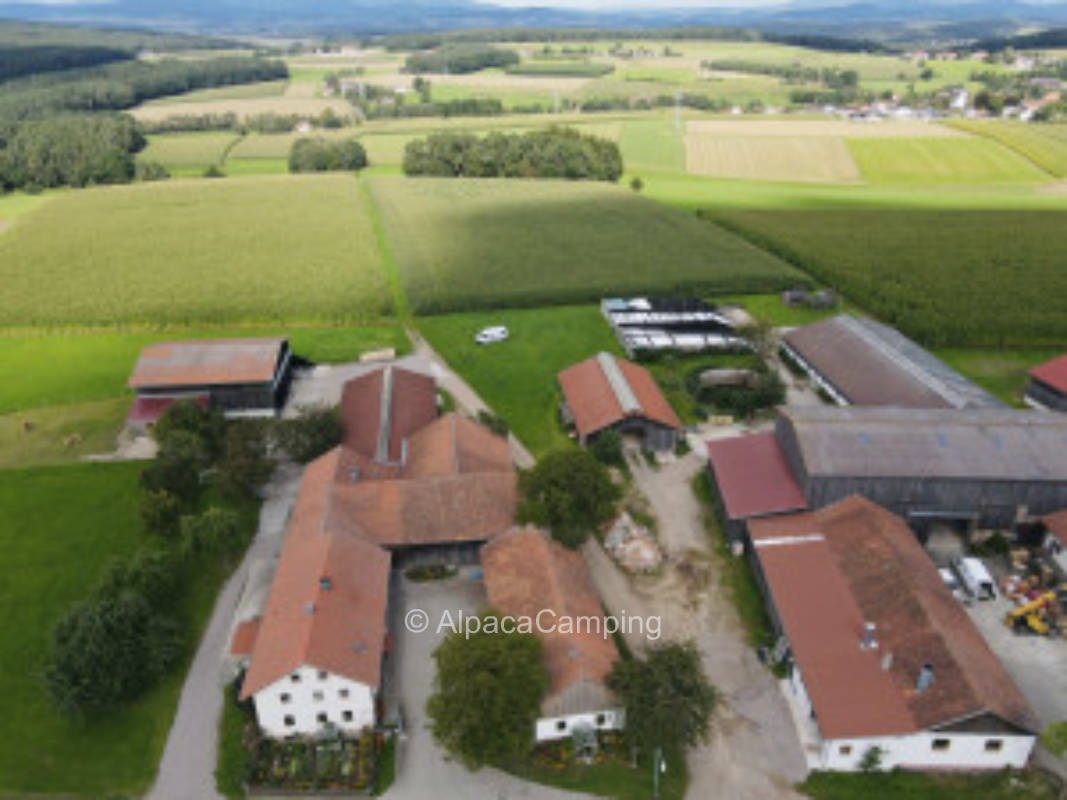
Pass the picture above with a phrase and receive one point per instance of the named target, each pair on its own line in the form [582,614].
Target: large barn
[238,376]
[857,361]
[880,654]
[1046,385]
[977,467]
[609,393]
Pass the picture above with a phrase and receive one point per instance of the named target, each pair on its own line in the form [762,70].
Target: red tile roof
[594,403]
[526,571]
[337,626]
[207,362]
[412,405]
[753,476]
[1052,373]
[146,409]
[1057,525]
[830,571]
[244,637]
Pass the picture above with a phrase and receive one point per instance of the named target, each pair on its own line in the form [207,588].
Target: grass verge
[898,784]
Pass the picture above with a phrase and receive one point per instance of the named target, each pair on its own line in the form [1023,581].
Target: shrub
[244,465]
[216,530]
[607,448]
[152,171]
[496,424]
[177,467]
[322,155]
[214,171]
[309,435]
[161,510]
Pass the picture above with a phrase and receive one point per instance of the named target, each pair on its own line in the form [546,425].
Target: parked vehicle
[976,578]
[496,333]
[952,582]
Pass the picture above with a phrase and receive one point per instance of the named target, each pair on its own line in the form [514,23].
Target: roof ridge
[620,386]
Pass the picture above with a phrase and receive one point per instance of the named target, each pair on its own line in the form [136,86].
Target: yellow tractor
[1039,615]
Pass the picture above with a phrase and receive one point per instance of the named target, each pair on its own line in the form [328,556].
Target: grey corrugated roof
[873,364]
[998,444]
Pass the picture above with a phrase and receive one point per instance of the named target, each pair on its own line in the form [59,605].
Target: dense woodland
[551,153]
[16,61]
[60,128]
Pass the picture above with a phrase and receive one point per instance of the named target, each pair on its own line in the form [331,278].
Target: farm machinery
[1039,609]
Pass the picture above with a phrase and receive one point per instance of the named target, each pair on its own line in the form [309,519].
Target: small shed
[609,393]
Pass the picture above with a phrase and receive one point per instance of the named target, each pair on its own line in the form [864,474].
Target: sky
[611,4]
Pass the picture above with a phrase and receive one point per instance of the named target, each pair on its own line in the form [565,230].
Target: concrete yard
[1037,664]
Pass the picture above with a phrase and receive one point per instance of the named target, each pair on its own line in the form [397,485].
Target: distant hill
[880,19]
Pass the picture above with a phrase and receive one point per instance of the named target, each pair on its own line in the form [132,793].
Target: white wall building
[880,652]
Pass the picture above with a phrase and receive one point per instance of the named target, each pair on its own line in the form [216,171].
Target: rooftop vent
[325,583]
[359,646]
[887,662]
[309,608]
[353,473]
[926,677]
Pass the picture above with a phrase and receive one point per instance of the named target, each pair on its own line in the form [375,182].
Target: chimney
[887,662]
[868,642]
[325,583]
[926,677]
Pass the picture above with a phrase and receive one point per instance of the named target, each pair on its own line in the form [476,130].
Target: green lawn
[242,91]
[1002,372]
[265,249]
[53,370]
[934,160]
[16,204]
[614,778]
[769,309]
[59,528]
[652,144]
[947,278]
[463,244]
[55,434]
[897,785]
[517,378]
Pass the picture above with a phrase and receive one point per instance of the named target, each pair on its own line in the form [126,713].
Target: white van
[976,578]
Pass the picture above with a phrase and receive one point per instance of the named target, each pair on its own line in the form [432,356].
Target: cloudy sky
[604,4]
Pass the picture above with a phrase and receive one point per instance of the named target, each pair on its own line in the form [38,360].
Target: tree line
[16,61]
[325,155]
[460,58]
[550,153]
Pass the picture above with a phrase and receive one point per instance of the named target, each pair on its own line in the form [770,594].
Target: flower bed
[330,763]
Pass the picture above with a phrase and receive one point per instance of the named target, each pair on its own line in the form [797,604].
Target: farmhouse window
[941,744]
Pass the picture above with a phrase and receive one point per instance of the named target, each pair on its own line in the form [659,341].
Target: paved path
[187,770]
[754,752]
[424,771]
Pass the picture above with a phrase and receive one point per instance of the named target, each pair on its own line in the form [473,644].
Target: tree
[570,493]
[668,699]
[160,512]
[208,425]
[108,650]
[312,433]
[871,760]
[322,155]
[216,530]
[244,465]
[487,695]
[636,183]
[177,466]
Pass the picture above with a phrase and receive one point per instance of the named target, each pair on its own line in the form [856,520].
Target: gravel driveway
[187,769]
[754,752]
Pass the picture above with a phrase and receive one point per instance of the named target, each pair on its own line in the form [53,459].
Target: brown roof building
[605,392]
[402,478]
[861,362]
[881,651]
[236,375]
[1047,385]
[529,575]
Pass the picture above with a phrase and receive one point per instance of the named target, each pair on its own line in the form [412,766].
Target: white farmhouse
[528,574]
[881,654]
[314,658]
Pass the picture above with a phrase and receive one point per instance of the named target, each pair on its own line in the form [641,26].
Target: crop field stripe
[388,258]
[974,160]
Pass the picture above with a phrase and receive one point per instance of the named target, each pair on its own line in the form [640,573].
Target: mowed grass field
[517,378]
[990,278]
[268,250]
[933,160]
[776,158]
[59,529]
[471,244]
[188,153]
[1044,145]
